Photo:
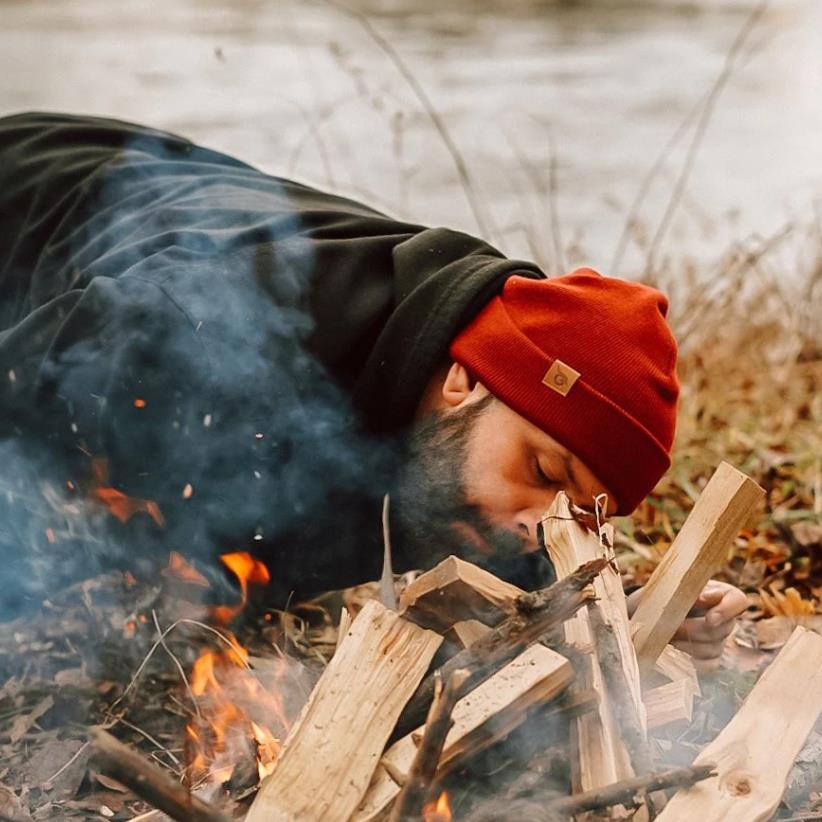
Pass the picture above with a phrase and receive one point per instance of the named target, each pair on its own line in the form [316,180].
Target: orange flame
[119,504]
[439,811]
[232,701]
[246,569]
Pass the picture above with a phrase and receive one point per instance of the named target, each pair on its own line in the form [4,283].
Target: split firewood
[601,754]
[330,755]
[456,590]
[673,665]
[148,781]
[756,749]
[415,792]
[465,633]
[536,615]
[669,704]
[629,792]
[487,714]
[698,551]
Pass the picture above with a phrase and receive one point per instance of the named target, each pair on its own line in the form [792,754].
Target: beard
[431,517]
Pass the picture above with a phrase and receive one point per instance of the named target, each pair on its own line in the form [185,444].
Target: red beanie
[591,361]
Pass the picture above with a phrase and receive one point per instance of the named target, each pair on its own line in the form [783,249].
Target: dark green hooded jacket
[193,321]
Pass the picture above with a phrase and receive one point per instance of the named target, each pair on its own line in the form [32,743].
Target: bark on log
[537,614]
[629,792]
[414,793]
[148,781]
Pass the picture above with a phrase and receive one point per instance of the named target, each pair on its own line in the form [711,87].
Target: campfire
[407,714]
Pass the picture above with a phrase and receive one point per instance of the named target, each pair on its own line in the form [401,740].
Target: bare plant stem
[699,133]
[481,215]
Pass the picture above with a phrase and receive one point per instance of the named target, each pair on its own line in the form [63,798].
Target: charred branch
[148,781]
[536,615]
[424,768]
[630,792]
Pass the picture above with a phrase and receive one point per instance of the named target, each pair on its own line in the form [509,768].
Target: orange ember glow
[139,402]
[247,570]
[119,504]
[439,811]
[179,568]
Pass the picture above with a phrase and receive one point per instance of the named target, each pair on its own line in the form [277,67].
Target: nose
[527,525]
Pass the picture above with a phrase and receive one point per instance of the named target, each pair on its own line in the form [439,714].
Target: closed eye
[542,476]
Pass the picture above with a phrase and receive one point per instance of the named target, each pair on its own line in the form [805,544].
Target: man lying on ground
[265,360]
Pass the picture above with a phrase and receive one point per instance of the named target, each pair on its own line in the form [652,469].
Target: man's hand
[710,621]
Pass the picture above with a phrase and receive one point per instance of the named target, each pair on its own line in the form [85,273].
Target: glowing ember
[188,491]
[439,811]
[119,504]
[139,402]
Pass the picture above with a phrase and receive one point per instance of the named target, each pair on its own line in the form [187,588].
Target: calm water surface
[303,89]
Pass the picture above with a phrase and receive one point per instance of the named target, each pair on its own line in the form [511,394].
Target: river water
[557,110]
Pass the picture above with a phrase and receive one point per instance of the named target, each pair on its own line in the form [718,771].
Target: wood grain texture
[698,551]
[669,704]
[674,665]
[334,747]
[482,717]
[755,751]
[454,591]
[601,757]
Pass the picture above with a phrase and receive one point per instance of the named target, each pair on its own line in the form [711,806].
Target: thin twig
[481,217]
[177,663]
[48,784]
[699,133]
[146,735]
[553,204]
[158,643]
[627,791]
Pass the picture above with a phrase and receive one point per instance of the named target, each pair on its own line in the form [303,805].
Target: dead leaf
[21,725]
[59,767]
[807,534]
[10,805]
[111,784]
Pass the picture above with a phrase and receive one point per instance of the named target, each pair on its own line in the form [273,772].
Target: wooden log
[673,665]
[331,752]
[755,751]
[454,591]
[536,614]
[484,716]
[698,551]
[600,755]
[669,704]
[423,769]
[148,781]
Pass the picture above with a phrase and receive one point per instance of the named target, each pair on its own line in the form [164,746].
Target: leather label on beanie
[560,377]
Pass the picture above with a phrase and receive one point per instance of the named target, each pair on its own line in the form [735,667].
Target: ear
[458,385]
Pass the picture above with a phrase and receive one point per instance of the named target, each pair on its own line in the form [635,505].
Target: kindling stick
[537,614]
[148,781]
[630,791]
[411,799]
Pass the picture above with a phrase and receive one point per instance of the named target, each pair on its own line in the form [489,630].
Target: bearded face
[432,515]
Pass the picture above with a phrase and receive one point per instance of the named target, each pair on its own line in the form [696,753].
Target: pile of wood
[410,696]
